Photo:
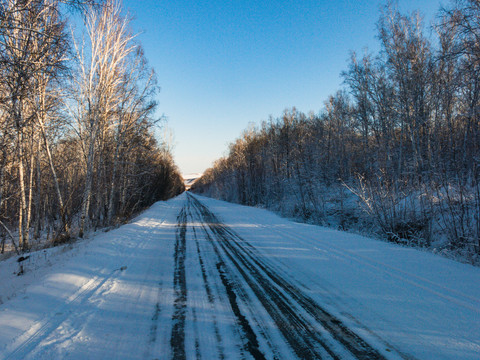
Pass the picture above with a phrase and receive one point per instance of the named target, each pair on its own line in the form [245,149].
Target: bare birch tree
[98,84]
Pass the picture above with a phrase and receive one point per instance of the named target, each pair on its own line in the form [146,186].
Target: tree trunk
[30,195]
[112,183]
[88,188]
[37,224]
[65,226]
[22,243]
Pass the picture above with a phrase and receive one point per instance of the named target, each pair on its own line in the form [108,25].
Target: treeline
[77,149]
[402,140]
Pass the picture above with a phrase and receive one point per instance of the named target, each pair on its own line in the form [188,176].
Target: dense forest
[396,152]
[77,144]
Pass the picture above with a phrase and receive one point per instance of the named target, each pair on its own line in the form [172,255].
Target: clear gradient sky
[222,64]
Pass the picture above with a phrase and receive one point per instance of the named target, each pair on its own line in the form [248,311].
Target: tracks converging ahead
[268,308]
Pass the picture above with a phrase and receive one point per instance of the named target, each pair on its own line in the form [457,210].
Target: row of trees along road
[76,122]
[402,138]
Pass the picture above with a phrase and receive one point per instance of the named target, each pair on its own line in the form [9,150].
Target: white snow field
[196,278]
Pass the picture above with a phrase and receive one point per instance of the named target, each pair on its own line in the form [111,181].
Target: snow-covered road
[196,278]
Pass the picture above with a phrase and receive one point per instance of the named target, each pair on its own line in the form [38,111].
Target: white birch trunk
[88,188]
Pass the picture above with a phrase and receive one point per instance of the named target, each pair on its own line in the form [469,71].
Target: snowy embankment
[94,300]
[199,277]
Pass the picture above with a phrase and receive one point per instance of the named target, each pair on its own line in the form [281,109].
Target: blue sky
[224,64]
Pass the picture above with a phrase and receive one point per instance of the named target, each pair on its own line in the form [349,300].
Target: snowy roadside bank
[63,289]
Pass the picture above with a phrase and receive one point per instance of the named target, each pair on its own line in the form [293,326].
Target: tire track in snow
[153,333]
[177,339]
[301,336]
[282,299]
[252,345]
[210,297]
[232,290]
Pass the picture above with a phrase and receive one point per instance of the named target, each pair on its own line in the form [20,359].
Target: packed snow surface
[196,278]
